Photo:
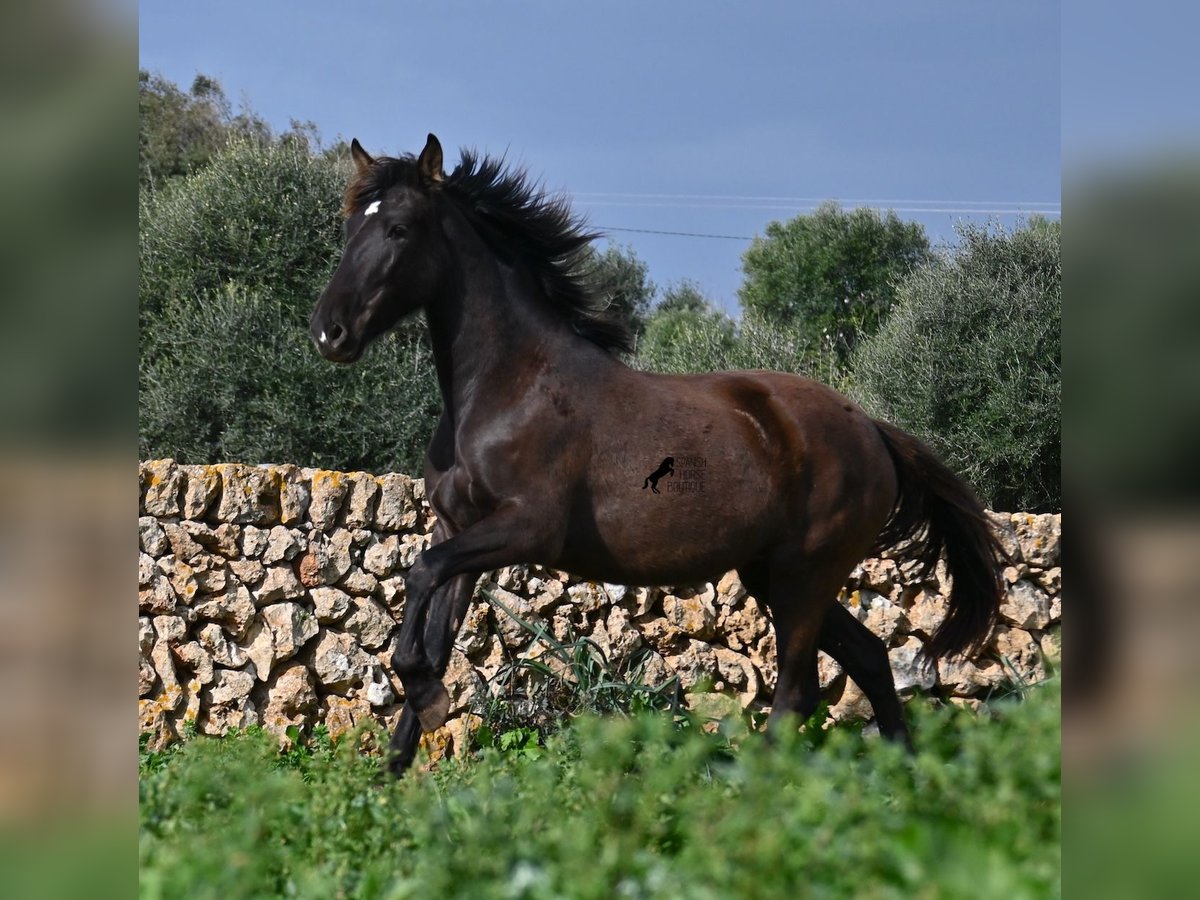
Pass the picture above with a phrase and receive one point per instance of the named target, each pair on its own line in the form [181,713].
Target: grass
[645,806]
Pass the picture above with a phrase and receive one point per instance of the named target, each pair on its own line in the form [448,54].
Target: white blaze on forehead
[372,209]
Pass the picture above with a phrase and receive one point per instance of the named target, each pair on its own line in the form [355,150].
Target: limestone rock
[249,494]
[147,677]
[886,620]
[171,629]
[1040,538]
[151,537]
[282,545]
[203,487]
[220,718]
[909,668]
[146,635]
[294,495]
[473,635]
[587,595]
[621,635]
[291,698]
[1002,526]
[369,622]
[965,678]
[254,541]
[234,609]
[182,545]
[358,582]
[736,673]
[378,689]
[161,482]
[229,686]
[329,490]
[338,662]
[927,612]
[248,571]
[694,616]
[396,510]
[327,560]
[223,651]
[361,499]
[381,556]
[462,682]
[1017,648]
[292,626]
[730,590]
[259,647]
[697,662]
[198,661]
[342,714]
[330,603]
[546,595]
[412,546]
[763,656]
[743,625]
[158,597]
[1026,606]
[280,583]
[514,634]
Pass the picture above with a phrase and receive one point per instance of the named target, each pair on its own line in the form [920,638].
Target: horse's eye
[397,231]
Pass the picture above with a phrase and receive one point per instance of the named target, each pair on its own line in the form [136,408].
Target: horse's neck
[489,333]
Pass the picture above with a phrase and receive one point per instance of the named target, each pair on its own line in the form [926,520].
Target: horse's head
[394,253]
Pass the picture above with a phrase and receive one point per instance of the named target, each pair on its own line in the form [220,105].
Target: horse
[545,435]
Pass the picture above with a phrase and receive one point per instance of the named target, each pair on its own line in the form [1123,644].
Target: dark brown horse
[546,438]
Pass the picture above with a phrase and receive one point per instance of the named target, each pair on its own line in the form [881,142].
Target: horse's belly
[669,550]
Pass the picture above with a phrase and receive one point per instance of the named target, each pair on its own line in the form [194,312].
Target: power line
[817,200]
[726,237]
[994,211]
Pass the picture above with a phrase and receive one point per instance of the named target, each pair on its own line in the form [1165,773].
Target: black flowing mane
[518,218]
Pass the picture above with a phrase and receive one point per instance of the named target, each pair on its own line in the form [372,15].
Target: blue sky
[702,117]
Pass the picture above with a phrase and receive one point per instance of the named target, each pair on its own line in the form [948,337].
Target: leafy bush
[623,807]
[831,274]
[234,377]
[970,360]
[680,342]
[262,217]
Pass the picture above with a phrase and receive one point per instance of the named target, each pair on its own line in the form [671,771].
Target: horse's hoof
[435,708]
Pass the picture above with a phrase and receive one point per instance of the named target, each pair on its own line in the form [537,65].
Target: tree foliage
[180,132]
[831,274]
[623,280]
[970,360]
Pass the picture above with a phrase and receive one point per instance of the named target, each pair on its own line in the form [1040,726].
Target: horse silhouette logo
[666,468]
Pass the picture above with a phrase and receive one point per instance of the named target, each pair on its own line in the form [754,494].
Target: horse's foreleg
[799,599]
[504,538]
[421,665]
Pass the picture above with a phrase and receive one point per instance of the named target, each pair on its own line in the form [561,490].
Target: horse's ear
[362,159]
[430,162]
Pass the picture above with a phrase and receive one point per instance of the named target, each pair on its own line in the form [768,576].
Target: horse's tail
[939,514]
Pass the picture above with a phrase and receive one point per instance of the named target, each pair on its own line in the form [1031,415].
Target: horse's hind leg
[864,657]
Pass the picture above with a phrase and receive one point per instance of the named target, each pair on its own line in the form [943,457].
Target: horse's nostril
[333,333]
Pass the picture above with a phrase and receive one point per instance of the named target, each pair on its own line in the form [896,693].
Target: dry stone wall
[271,595]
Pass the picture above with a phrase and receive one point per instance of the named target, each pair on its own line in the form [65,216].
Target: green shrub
[633,807]
[680,341]
[234,377]
[970,360]
[263,217]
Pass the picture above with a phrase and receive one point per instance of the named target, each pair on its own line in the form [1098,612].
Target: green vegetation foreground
[622,808]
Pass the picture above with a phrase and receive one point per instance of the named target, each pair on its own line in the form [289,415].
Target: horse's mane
[539,227]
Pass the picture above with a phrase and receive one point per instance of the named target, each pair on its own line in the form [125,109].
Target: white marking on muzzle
[323,339]
[372,209]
